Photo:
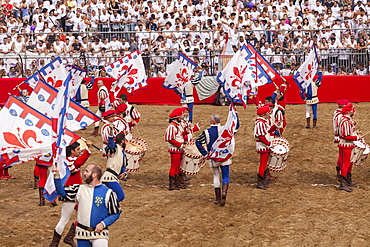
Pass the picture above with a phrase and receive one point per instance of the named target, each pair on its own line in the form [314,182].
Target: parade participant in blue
[116,163]
[208,137]
[336,120]
[312,100]
[98,207]
[23,94]
[187,99]
[304,78]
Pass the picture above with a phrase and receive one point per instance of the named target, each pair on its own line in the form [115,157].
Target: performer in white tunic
[103,100]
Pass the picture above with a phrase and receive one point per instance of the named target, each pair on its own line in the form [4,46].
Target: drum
[192,160]
[357,152]
[135,151]
[278,155]
[82,144]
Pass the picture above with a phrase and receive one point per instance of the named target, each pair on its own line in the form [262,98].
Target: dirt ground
[303,207]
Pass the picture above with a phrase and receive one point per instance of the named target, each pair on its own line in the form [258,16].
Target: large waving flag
[54,74]
[181,73]
[265,71]
[78,75]
[59,144]
[307,71]
[238,75]
[223,148]
[25,133]
[43,98]
[129,72]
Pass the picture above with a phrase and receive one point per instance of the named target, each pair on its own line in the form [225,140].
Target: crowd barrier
[353,88]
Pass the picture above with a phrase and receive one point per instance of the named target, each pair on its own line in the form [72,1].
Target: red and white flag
[25,133]
[129,73]
[78,75]
[43,98]
[180,74]
[238,76]
[223,148]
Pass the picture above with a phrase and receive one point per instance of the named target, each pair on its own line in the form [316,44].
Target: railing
[335,59]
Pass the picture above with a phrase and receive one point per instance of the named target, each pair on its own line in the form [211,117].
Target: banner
[129,72]
[307,71]
[25,133]
[223,148]
[43,99]
[181,73]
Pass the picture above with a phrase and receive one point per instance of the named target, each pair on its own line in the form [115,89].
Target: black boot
[225,187]
[218,195]
[179,182]
[56,240]
[96,131]
[35,182]
[261,182]
[172,185]
[70,235]
[183,180]
[308,123]
[344,184]
[314,123]
[41,196]
[349,179]
[338,173]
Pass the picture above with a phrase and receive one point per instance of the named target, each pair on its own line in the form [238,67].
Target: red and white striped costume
[132,115]
[176,137]
[74,166]
[105,132]
[189,128]
[347,135]
[103,96]
[263,134]
[336,120]
[123,127]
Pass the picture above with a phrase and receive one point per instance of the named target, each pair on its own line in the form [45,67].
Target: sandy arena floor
[303,207]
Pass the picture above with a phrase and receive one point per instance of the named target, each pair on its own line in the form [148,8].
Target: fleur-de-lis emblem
[310,68]
[182,77]
[20,142]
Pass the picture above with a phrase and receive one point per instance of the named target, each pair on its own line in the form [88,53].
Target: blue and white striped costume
[96,205]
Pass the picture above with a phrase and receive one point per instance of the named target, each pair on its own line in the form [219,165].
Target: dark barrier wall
[353,88]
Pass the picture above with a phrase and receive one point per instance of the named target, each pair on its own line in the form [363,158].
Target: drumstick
[365,134]
[92,145]
[137,129]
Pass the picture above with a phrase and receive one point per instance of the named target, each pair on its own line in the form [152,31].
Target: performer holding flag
[304,78]
[179,79]
[220,145]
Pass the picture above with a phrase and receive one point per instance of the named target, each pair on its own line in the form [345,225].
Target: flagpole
[92,144]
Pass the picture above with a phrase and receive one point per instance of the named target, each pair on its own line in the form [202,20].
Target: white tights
[67,210]
[216,177]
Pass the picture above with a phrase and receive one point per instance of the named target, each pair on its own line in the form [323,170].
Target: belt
[113,172]
[87,228]
[78,100]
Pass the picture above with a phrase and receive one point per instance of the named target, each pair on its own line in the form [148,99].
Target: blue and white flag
[223,148]
[180,75]
[307,71]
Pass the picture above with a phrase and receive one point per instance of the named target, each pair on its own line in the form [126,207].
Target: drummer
[347,135]
[176,138]
[336,120]
[208,137]
[120,122]
[263,132]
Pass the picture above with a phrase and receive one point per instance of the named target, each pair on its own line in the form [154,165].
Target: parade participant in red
[176,138]
[336,120]
[102,102]
[4,174]
[279,95]
[277,115]
[132,114]
[263,133]
[347,135]
[109,116]
[41,174]
[75,160]
[120,122]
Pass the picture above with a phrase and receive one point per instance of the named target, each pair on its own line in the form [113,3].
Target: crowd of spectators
[93,33]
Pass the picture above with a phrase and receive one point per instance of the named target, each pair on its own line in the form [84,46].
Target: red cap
[121,108]
[269,105]
[109,113]
[177,112]
[263,110]
[348,109]
[343,102]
